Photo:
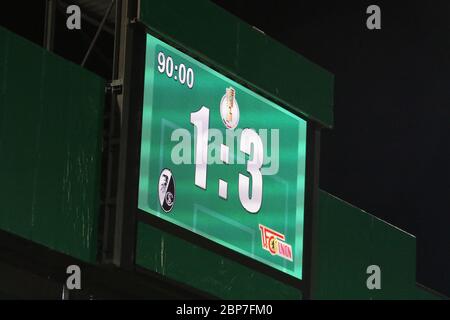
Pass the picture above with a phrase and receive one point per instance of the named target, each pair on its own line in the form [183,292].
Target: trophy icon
[230,93]
[229,109]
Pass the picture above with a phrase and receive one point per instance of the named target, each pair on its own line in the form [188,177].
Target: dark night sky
[389,152]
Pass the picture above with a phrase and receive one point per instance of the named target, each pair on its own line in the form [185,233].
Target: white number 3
[251,204]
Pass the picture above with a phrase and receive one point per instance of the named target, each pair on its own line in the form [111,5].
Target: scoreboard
[221,161]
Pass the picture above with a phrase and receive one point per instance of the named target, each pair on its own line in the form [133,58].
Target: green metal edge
[44,82]
[424,293]
[192,265]
[348,240]
[241,51]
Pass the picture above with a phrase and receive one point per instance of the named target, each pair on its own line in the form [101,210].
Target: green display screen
[221,161]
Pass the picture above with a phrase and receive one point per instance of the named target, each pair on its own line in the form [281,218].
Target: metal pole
[112,147]
[99,29]
[124,240]
[49,28]
[65,293]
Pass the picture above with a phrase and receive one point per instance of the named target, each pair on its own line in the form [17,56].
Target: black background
[389,150]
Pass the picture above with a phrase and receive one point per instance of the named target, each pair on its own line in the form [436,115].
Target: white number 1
[200,120]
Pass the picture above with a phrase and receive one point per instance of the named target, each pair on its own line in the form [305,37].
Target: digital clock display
[182,74]
[221,161]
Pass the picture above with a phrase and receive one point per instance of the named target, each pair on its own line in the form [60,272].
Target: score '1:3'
[249,138]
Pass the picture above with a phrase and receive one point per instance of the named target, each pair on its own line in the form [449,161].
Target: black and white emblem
[166,190]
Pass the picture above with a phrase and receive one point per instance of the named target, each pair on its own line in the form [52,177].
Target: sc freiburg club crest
[166,190]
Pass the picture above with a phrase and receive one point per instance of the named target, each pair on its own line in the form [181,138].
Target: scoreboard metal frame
[135,63]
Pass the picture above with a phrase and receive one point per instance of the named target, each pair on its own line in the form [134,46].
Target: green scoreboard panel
[221,161]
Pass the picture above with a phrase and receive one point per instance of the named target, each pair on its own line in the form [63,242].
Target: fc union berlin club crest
[274,242]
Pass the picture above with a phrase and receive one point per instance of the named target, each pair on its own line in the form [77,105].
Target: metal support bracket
[114,87]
